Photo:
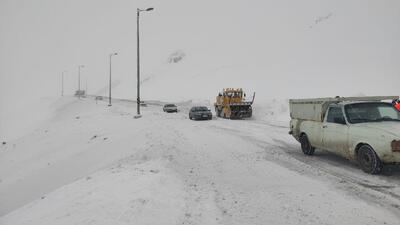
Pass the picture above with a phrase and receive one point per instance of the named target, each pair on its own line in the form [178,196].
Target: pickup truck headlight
[396,145]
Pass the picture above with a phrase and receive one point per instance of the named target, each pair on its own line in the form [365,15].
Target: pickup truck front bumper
[392,158]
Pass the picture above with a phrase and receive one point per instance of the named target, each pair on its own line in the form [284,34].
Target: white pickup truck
[365,129]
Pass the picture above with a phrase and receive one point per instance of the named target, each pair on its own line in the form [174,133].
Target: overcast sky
[280,48]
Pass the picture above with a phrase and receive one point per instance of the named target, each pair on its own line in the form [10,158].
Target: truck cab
[335,130]
[231,103]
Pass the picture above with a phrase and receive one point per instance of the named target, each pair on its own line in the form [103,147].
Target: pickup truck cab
[362,129]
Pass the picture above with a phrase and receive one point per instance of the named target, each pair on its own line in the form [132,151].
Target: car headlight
[396,145]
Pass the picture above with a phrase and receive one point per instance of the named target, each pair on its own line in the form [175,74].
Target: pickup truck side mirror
[339,120]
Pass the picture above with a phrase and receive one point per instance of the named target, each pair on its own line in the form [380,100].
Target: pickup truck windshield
[371,112]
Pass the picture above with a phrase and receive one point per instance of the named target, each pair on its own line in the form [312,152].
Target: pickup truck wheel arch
[368,160]
[306,146]
[358,146]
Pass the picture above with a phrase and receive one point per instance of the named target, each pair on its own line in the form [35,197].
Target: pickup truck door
[314,133]
[335,132]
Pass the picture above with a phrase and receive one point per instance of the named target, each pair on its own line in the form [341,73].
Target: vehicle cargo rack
[342,99]
[314,108]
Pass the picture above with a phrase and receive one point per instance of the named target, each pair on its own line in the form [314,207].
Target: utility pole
[62,82]
[138,60]
[109,94]
[79,80]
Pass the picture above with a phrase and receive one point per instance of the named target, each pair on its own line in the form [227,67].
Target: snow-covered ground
[92,164]
[70,161]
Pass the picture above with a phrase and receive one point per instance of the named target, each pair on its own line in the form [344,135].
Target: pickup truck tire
[368,160]
[306,147]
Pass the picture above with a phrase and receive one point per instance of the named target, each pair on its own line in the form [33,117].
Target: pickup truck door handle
[324,126]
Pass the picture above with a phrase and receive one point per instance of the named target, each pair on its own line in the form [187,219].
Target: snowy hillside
[191,50]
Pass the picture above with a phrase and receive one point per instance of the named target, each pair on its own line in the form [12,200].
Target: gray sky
[280,49]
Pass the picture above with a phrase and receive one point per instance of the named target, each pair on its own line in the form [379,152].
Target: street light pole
[109,95]
[138,60]
[62,82]
[138,65]
[79,80]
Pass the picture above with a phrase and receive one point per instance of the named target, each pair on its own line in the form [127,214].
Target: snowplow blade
[239,111]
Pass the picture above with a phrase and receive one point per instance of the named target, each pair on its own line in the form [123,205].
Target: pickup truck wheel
[306,146]
[369,160]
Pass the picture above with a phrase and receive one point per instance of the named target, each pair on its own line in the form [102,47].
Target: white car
[355,128]
[170,108]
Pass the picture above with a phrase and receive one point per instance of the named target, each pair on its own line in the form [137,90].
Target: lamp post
[109,94]
[138,60]
[62,82]
[79,80]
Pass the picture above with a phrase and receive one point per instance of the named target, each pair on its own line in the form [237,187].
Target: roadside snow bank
[146,193]
[274,111]
[20,118]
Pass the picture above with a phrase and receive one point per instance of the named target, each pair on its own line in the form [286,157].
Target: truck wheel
[369,160]
[306,146]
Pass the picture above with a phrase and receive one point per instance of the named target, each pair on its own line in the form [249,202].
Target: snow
[70,161]
[141,193]
[24,115]
[93,164]
[265,47]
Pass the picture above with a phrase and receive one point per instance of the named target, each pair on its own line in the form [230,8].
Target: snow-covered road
[90,164]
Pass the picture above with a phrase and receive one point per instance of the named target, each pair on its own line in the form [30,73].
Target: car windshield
[201,108]
[169,105]
[371,112]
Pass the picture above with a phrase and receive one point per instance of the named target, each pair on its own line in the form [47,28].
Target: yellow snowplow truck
[231,103]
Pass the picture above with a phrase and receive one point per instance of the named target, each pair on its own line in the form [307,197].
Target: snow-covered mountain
[191,50]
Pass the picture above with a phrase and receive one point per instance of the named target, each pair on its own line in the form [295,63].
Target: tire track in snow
[342,173]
